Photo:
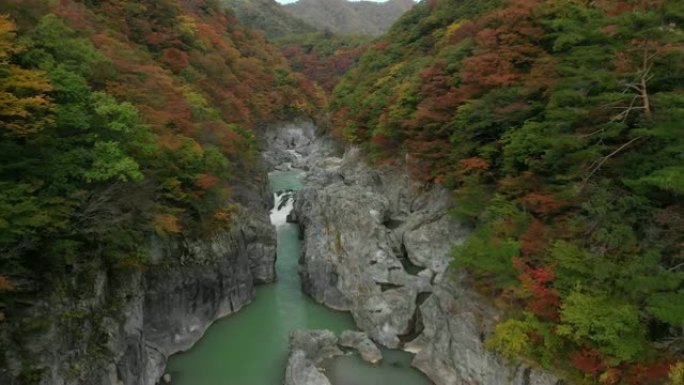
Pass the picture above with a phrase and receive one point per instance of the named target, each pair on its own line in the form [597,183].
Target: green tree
[609,323]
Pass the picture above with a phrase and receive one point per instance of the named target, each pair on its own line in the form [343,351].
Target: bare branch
[603,160]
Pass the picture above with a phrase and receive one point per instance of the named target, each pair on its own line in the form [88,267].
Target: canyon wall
[125,324]
[378,244]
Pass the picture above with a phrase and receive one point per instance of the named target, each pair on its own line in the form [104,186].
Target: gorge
[251,347]
[487,193]
[375,245]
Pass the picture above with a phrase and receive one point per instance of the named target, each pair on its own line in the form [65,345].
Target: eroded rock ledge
[377,244]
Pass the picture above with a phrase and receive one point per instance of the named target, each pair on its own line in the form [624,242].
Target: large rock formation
[365,232]
[450,350]
[295,144]
[302,371]
[214,278]
[378,245]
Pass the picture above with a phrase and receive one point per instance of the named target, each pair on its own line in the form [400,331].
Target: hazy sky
[292,1]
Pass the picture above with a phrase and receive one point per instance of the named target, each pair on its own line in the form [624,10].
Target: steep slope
[269,17]
[323,58]
[349,17]
[557,126]
[132,210]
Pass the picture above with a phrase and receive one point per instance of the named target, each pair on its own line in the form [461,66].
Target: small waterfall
[295,154]
[283,205]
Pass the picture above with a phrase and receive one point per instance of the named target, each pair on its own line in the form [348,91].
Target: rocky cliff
[124,326]
[378,245]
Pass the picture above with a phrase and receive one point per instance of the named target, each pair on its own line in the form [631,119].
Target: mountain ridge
[349,17]
[269,17]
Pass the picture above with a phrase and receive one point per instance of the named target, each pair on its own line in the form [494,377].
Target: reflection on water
[394,369]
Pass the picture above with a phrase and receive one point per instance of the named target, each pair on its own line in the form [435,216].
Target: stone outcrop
[294,145]
[318,345]
[310,348]
[363,231]
[450,350]
[215,278]
[359,340]
[302,371]
[379,245]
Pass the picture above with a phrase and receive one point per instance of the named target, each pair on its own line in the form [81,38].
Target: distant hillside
[323,58]
[268,16]
[350,18]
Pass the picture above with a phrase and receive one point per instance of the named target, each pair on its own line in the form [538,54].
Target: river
[250,347]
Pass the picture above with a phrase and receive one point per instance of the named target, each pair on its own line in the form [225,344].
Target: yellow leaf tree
[24,104]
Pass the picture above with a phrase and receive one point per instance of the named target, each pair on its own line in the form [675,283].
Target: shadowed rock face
[216,278]
[359,225]
[195,282]
[450,349]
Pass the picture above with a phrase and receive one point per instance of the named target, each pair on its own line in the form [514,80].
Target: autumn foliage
[322,58]
[588,361]
[557,126]
[122,124]
[543,301]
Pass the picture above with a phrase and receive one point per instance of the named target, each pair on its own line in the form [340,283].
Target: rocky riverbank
[378,244]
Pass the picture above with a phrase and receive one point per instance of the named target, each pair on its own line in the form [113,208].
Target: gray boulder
[318,345]
[309,348]
[387,314]
[360,341]
[302,371]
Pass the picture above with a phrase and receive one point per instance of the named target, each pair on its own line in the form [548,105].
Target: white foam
[294,153]
[279,214]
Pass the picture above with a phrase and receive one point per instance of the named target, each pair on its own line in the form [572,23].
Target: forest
[323,58]
[121,120]
[558,125]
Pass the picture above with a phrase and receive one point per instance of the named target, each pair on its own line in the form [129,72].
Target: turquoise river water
[250,347]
